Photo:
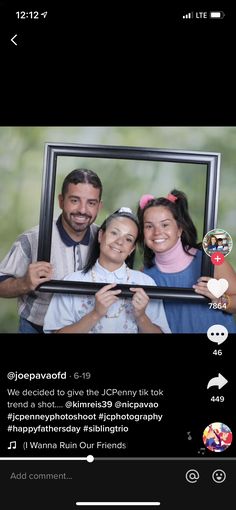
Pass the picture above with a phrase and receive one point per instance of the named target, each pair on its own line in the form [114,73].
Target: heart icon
[217,287]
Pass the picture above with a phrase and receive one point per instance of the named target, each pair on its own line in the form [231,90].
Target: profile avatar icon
[217,240]
[217,437]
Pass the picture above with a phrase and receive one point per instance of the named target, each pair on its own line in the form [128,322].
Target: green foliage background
[21,164]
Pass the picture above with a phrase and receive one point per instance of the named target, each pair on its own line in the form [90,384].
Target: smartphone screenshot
[117,259]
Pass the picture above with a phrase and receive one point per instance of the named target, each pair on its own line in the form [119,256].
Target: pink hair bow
[171,197]
[145,199]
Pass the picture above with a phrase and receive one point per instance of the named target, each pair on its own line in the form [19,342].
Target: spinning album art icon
[217,437]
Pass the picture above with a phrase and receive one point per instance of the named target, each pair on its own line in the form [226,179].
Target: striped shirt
[67,256]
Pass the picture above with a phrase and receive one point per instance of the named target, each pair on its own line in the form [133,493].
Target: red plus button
[217,258]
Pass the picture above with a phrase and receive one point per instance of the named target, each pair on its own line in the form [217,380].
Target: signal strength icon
[188,16]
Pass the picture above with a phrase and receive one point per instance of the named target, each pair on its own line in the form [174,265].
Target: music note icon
[12,445]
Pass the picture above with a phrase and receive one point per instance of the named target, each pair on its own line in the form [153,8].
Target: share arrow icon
[219,381]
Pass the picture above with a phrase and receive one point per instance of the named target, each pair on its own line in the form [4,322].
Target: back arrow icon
[219,381]
[12,39]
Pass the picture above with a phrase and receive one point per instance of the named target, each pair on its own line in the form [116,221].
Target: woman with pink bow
[172,257]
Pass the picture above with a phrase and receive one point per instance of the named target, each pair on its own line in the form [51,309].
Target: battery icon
[217,14]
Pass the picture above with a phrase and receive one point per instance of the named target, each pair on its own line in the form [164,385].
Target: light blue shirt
[67,309]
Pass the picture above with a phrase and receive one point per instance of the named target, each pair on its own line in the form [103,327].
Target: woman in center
[110,262]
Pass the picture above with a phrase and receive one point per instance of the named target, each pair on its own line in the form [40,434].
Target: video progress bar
[89,458]
[118,503]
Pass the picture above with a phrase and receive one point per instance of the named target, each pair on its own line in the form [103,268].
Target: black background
[182,365]
[93,65]
[130,68]
[118,481]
